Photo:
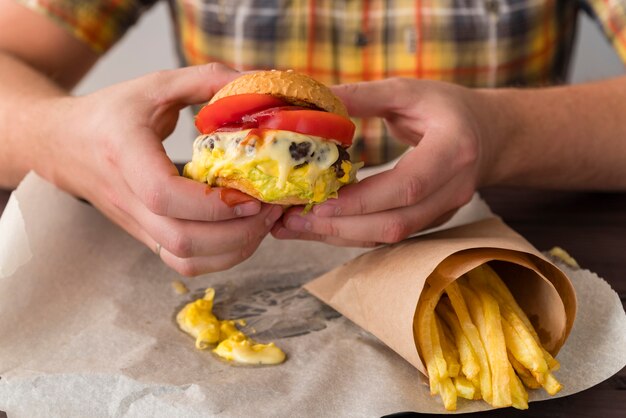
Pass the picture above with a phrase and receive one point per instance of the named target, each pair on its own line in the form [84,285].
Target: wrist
[501,125]
[49,145]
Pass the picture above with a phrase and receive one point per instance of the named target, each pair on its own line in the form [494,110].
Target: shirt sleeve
[98,23]
[611,14]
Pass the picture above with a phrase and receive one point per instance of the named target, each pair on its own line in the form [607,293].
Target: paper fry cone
[381,289]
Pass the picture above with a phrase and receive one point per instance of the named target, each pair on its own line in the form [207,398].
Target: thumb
[190,85]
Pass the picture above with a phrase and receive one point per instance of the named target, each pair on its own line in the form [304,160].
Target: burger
[279,136]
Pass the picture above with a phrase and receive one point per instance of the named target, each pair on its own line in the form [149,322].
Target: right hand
[106,148]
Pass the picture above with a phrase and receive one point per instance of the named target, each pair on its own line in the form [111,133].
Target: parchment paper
[86,329]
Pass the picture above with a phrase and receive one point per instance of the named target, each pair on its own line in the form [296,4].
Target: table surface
[592,228]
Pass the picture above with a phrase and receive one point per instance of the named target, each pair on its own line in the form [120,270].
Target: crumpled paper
[87,329]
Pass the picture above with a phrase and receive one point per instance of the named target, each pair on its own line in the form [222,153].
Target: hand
[106,147]
[429,183]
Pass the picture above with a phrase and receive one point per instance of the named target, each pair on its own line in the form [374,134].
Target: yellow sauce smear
[197,319]
[179,287]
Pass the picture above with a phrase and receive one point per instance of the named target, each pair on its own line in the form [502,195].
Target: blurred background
[594,58]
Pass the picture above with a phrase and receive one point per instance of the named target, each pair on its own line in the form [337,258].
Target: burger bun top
[294,88]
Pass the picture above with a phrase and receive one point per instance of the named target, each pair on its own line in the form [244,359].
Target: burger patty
[343,156]
[300,151]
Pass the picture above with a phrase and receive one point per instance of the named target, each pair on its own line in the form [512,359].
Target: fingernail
[273,215]
[327,210]
[246,209]
[298,223]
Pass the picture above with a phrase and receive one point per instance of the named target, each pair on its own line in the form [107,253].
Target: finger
[187,239]
[387,226]
[195,266]
[378,98]
[189,85]
[418,174]
[155,180]
[280,232]
[442,219]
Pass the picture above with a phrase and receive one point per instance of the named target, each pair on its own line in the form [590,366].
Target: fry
[530,382]
[469,362]
[521,344]
[485,313]
[426,347]
[440,361]
[523,373]
[553,364]
[476,382]
[450,352]
[471,332]
[548,382]
[519,396]
[464,388]
[423,331]
[448,393]
[551,385]
[446,387]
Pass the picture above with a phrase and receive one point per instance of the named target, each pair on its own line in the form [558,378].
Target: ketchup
[254,136]
[234,197]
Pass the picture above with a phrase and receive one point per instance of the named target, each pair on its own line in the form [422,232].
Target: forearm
[570,137]
[24,96]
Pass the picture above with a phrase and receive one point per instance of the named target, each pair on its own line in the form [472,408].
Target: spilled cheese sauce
[179,287]
[228,342]
[268,159]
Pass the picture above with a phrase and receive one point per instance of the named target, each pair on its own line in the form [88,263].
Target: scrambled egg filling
[278,163]
[197,319]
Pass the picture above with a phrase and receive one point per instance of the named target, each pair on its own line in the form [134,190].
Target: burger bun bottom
[246,186]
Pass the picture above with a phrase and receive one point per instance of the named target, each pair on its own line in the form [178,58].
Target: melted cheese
[265,159]
[198,320]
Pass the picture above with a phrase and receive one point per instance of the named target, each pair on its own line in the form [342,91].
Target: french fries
[478,343]
[450,352]
[489,323]
[471,332]
[487,275]
[467,356]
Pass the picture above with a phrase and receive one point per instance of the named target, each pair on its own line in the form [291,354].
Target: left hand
[444,124]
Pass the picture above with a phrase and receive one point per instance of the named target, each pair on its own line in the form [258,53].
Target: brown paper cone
[380,290]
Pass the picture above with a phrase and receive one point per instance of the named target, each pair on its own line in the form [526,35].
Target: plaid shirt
[477,43]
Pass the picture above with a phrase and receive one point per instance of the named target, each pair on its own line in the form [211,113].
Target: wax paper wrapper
[87,328]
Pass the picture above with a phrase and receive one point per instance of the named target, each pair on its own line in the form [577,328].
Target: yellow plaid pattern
[480,43]
[612,14]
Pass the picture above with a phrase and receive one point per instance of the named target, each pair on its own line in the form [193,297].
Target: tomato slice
[232,109]
[245,111]
[309,122]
